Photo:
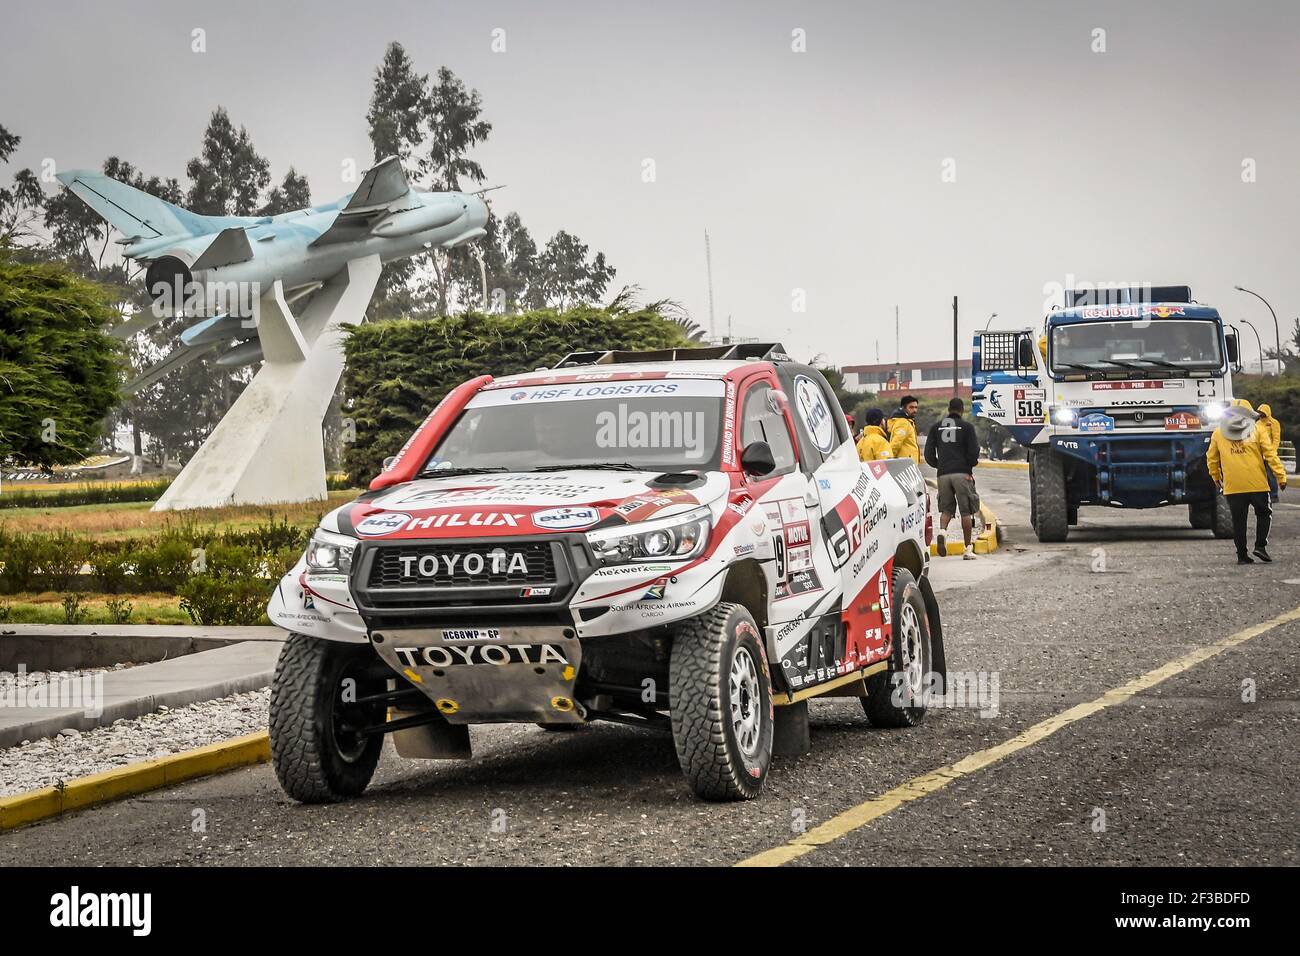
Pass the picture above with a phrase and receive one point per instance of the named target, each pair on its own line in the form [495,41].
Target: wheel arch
[908,555]
[746,585]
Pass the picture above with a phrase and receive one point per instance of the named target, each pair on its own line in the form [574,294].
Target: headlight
[668,539]
[1064,416]
[328,551]
[1212,411]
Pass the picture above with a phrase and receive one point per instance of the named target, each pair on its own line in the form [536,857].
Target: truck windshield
[1150,345]
[649,425]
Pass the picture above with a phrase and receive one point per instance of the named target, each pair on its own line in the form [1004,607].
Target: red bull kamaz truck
[1115,397]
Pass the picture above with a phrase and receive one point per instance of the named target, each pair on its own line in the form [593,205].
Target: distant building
[922,379]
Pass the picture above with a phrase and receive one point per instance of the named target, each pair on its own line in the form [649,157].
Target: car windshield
[653,425]
[1149,345]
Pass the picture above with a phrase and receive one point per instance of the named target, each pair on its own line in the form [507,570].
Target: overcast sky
[820,171]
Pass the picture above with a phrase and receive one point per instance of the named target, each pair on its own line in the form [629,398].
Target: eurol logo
[518,396]
[566,519]
[386,522]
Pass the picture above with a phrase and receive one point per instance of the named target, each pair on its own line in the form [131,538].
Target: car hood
[521,503]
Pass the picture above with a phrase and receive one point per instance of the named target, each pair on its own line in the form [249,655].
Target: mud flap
[938,661]
[790,734]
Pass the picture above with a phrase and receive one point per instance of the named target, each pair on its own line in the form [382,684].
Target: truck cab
[1115,402]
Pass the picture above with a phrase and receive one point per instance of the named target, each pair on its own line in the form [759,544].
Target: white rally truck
[684,541]
[1115,402]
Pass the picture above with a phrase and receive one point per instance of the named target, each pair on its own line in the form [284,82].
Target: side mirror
[757,459]
[1025,352]
[1233,352]
[389,462]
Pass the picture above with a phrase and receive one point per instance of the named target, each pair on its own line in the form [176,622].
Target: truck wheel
[720,698]
[1201,515]
[1047,488]
[317,755]
[1222,523]
[896,696]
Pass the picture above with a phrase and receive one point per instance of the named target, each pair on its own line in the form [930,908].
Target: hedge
[1280,392]
[83,494]
[398,371]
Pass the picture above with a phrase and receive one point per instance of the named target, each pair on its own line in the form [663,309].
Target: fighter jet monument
[234,278]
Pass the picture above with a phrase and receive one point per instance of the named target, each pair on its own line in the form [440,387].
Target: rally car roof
[634,370]
[1138,310]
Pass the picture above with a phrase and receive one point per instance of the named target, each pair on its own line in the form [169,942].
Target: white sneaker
[941,543]
[969,554]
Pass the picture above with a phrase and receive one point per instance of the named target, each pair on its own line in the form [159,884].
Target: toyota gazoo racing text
[689,544]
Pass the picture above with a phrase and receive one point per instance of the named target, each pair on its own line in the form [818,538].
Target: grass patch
[47,608]
[126,520]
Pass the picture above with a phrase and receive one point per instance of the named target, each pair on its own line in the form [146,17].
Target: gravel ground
[42,763]
[26,678]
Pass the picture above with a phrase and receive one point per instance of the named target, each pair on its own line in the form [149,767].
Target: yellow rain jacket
[873,445]
[1240,465]
[902,438]
[1270,427]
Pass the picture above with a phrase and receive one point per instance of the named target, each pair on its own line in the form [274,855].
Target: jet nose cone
[476,211]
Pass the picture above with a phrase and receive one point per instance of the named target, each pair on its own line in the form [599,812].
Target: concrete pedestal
[268,448]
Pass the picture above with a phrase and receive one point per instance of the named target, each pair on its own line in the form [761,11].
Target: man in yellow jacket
[874,443]
[1240,460]
[1271,432]
[902,430]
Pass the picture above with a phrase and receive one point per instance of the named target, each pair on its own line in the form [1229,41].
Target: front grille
[456,565]
[1148,416]
[480,576]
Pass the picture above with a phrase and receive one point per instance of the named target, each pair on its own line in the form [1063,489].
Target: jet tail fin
[134,213]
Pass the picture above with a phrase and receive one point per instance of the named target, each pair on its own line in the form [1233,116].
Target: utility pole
[1276,329]
[956,366]
[898,356]
[708,265]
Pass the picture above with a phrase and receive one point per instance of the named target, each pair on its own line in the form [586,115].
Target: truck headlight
[667,539]
[1064,416]
[1212,411]
[328,551]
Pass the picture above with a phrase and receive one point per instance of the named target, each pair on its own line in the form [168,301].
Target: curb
[77,794]
[1009,465]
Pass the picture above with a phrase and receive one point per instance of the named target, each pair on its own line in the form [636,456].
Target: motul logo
[446,565]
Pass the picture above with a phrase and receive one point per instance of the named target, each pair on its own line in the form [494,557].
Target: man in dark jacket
[953,449]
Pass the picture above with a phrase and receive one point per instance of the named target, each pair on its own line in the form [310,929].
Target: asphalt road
[1183,772]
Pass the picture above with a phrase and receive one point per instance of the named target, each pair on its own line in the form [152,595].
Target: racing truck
[1115,402]
[683,540]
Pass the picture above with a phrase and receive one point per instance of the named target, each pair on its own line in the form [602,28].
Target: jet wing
[230,246]
[382,190]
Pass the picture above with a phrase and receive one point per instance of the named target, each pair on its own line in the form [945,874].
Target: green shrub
[212,600]
[270,535]
[398,371]
[165,566]
[109,563]
[119,610]
[19,554]
[233,561]
[97,493]
[61,557]
[73,612]
[281,561]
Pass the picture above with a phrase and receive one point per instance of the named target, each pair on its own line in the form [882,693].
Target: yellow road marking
[844,823]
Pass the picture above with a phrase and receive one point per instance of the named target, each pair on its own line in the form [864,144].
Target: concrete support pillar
[268,448]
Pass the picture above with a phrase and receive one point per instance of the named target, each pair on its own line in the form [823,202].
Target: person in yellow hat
[1271,432]
[874,443]
[902,430]
[1240,461]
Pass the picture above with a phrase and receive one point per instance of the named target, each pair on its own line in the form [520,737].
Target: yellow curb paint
[36,805]
[1009,465]
[844,823]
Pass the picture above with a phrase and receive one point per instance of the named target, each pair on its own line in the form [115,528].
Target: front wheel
[1047,489]
[720,698]
[896,696]
[1222,522]
[317,752]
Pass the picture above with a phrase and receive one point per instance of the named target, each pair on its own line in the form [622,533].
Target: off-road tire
[705,650]
[1200,514]
[312,759]
[1222,522]
[1047,486]
[879,704]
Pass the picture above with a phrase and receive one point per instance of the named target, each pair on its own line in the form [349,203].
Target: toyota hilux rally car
[682,540]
